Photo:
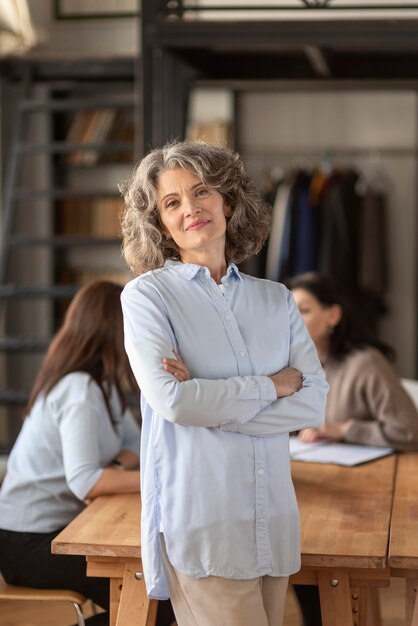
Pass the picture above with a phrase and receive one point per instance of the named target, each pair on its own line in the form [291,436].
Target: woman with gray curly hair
[220,532]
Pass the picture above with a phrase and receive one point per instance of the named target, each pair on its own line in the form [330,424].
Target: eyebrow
[174,193]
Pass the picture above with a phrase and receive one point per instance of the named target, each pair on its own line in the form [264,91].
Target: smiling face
[193,215]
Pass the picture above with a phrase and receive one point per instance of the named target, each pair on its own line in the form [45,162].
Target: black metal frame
[305,7]
[67,78]
[177,52]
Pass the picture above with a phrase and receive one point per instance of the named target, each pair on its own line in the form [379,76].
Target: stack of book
[98,127]
[84,217]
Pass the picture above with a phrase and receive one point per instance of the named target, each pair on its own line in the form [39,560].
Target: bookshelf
[75,140]
[100,142]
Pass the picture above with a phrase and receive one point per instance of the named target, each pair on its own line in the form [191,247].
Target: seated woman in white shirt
[77,436]
[220,530]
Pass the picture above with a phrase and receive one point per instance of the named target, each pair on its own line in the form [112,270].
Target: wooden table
[107,532]
[345,523]
[403,545]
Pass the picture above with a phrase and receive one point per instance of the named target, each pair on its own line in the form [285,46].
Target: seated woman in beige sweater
[366,403]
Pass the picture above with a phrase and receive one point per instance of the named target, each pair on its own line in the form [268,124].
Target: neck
[322,349]
[216,266]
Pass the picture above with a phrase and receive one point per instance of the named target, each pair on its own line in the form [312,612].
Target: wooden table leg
[135,607]
[374,613]
[115,589]
[152,613]
[366,606]
[411,606]
[335,596]
[359,606]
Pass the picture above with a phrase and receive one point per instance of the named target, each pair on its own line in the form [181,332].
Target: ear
[335,314]
[227,210]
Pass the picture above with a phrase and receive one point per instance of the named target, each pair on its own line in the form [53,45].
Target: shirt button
[227,317]
[242,354]
[261,471]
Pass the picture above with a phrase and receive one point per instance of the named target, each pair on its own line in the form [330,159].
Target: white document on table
[340,453]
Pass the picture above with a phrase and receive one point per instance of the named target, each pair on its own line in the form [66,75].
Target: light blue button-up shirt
[215,467]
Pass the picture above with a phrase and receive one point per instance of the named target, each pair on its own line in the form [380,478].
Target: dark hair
[352,332]
[248,220]
[90,340]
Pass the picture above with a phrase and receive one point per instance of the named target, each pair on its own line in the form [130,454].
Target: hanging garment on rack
[322,222]
[305,228]
[373,271]
[275,243]
[340,229]
[354,247]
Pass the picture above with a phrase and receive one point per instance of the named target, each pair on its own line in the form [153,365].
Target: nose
[191,206]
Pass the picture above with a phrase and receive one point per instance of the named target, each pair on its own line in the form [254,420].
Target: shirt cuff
[267,395]
[267,389]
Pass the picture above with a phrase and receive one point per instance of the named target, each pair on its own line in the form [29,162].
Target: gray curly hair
[248,221]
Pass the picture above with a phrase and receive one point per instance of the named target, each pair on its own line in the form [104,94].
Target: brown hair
[248,221]
[352,332]
[90,340]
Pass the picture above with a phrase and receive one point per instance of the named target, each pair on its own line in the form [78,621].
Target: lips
[197,225]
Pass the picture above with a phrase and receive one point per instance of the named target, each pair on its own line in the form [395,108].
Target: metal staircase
[32,296]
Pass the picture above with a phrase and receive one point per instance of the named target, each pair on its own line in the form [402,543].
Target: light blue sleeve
[303,409]
[79,431]
[198,402]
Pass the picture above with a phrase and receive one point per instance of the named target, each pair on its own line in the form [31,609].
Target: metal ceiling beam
[175,7]
[249,35]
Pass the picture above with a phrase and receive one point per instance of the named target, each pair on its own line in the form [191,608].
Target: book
[91,127]
[97,217]
[338,453]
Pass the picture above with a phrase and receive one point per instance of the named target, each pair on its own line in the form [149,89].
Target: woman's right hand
[287,381]
[310,435]
[177,368]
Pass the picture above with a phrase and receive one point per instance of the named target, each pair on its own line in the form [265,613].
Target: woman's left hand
[177,368]
[331,431]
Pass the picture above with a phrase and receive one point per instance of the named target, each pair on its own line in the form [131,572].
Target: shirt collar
[190,270]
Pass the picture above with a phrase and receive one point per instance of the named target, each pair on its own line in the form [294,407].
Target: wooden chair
[21,594]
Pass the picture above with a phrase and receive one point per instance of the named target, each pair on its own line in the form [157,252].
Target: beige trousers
[214,601]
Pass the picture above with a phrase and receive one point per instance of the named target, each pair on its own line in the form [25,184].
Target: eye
[171,204]
[202,192]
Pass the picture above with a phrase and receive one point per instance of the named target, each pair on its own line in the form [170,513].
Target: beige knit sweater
[365,388]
